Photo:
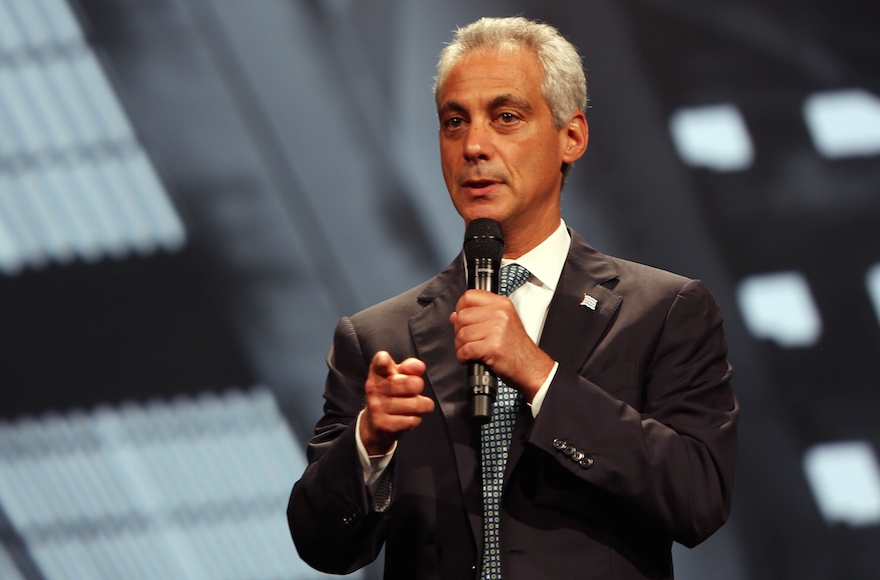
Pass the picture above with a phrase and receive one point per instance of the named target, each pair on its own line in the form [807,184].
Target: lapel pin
[589,302]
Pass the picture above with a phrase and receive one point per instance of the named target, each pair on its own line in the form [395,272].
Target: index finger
[382,364]
[475,297]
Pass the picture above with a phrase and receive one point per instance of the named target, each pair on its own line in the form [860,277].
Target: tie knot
[512,277]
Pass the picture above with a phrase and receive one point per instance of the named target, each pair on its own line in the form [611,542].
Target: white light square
[845,480]
[713,136]
[844,123]
[780,307]
[872,281]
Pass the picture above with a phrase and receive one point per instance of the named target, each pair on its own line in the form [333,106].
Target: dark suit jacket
[634,446]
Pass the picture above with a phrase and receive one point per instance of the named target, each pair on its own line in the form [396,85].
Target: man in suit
[625,425]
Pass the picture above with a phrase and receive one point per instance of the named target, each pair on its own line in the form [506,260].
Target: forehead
[485,74]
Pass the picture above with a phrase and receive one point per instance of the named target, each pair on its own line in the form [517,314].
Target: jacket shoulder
[620,273]
[408,303]
[404,304]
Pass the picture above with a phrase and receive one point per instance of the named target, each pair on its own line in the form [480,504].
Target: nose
[478,144]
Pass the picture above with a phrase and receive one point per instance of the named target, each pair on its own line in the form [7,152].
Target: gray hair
[564,86]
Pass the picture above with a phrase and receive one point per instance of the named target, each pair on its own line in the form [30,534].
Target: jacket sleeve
[665,444]
[336,526]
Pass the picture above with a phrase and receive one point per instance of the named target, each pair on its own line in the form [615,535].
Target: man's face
[500,152]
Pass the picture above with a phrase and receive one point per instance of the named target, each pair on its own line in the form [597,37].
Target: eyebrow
[451,106]
[506,99]
[512,100]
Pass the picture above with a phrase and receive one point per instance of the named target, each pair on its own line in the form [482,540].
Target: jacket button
[352,517]
[586,462]
[559,444]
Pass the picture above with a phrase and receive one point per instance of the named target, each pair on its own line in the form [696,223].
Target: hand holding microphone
[489,335]
[483,249]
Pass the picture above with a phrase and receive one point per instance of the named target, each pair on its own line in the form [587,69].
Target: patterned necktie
[495,437]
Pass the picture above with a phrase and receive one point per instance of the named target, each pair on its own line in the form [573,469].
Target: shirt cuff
[373,466]
[542,392]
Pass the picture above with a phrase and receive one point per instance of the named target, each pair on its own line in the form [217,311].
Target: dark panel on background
[83,334]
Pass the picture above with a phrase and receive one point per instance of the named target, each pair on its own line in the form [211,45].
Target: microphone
[483,248]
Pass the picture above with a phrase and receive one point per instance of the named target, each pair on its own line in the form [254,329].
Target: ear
[577,134]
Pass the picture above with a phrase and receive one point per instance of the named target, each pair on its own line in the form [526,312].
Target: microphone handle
[482,383]
[482,390]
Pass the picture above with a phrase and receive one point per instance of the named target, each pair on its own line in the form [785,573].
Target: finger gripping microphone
[483,248]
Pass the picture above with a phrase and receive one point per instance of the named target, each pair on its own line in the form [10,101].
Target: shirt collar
[546,260]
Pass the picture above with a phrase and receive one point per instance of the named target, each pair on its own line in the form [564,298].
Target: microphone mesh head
[484,239]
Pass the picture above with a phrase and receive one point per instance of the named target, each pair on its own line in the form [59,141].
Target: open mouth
[478,184]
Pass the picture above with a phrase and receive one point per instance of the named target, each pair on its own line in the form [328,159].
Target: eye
[507,117]
[453,122]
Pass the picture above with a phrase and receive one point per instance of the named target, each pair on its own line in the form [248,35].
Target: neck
[520,241]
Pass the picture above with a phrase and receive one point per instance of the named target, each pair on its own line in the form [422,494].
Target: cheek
[531,168]
[548,162]
[446,158]
[449,176]
[447,173]
[526,157]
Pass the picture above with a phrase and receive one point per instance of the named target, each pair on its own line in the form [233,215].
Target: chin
[473,213]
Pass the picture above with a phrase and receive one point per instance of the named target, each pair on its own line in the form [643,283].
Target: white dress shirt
[531,300]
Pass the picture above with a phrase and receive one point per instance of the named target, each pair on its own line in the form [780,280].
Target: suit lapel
[434,340]
[572,330]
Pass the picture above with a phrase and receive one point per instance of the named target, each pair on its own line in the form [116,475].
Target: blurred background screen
[192,192]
